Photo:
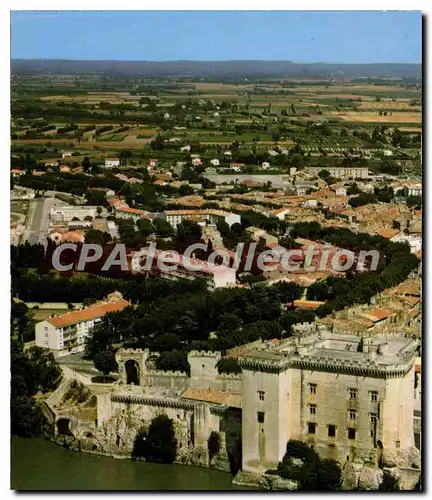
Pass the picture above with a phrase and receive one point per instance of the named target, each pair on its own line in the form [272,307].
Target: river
[37,464]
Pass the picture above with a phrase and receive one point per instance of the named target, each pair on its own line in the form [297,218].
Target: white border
[136,5]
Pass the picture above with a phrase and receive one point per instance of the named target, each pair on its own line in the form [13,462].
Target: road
[38,225]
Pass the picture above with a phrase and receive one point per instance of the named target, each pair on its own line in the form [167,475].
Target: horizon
[204,61]
[312,37]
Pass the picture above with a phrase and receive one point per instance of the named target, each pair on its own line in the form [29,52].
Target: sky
[328,36]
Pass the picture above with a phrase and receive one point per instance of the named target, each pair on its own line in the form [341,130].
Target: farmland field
[355,116]
[157,117]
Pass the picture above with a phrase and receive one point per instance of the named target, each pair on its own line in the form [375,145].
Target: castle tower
[266,412]
[132,365]
[203,368]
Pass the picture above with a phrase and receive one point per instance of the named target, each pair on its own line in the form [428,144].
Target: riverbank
[38,465]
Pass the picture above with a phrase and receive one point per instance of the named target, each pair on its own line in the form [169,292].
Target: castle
[351,397]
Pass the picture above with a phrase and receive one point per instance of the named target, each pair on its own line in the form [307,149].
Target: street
[37,229]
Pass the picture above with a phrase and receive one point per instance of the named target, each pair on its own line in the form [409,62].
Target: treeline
[395,265]
[32,371]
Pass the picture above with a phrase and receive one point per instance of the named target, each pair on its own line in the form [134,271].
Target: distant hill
[213,68]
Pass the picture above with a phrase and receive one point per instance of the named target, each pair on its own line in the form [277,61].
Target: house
[272,152]
[112,162]
[38,173]
[130,213]
[153,162]
[167,116]
[227,153]
[388,152]
[100,224]
[196,161]
[160,182]
[237,167]
[64,169]
[117,203]
[66,154]
[185,148]
[59,236]
[215,162]
[67,333]
[280,213]
[16,172]
[303,187]
[265,165]
[341,191]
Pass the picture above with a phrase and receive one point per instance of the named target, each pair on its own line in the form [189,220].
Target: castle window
[260,417]
[353,393]
[372,434]
[312,409]
[373,418]
[351,414]
[312,427]
[373,395]
[331,430]
[312,388]
[351,433]
[261,395]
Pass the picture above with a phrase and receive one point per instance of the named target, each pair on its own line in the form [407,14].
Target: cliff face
[77,427]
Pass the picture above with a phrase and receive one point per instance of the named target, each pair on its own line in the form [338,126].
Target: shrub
[213,444]
[159,444]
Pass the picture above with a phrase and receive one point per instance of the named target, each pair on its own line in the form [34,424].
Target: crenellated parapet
[204,354]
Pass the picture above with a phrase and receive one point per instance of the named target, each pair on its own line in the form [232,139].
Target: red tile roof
[92,312]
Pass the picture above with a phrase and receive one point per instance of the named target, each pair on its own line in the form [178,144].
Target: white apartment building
[112,162]
[175,217]
[65,214]
[341,172]
[67,333]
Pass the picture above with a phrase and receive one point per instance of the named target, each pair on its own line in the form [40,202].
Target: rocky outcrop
[407,458]
[250,479]
[413,458]
[370,479]
[272,482]
[349,479]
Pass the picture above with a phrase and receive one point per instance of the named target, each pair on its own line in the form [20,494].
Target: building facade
[67,333]
[65,214]
[175,217]
[348,396]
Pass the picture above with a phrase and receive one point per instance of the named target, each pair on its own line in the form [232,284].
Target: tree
[228,365]
[329,475]
[160,443]
[389,483]
[315,474]
[188,233]
[414,201]
[213,444]
[26,417]
[86,164]
[105,361]
[173,360]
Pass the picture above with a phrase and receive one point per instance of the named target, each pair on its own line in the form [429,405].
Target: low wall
[408,477]
[167,380]
[230,383]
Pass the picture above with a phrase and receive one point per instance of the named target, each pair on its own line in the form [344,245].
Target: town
[285,344]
